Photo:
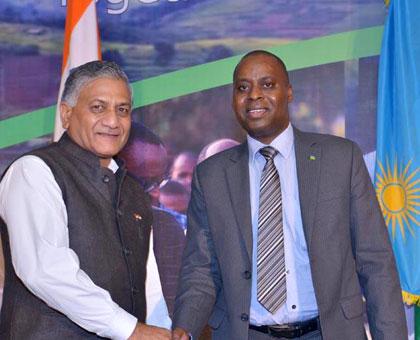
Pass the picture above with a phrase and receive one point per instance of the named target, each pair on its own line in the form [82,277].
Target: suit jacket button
[105,179]
[244,317]
[246,274]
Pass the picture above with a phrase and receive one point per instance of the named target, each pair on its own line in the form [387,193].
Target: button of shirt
[296,256]
[244,317]
[246,274]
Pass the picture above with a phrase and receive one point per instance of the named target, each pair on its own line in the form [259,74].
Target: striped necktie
[271,272]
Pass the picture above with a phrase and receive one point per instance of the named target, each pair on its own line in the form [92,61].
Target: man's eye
[124,110]
[268,85]
[97,108]
[242,87]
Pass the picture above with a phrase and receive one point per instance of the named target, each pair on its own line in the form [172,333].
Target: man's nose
[111,118]
[255,93]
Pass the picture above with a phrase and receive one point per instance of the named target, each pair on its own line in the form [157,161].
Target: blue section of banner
[397,176]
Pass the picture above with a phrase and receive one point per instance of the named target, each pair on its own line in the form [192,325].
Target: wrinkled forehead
[106,79]
[96,84]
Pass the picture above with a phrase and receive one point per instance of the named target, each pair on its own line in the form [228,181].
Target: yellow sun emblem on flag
[398,193]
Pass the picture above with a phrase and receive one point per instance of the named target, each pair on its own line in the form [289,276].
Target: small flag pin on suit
[312,158]
[137,217]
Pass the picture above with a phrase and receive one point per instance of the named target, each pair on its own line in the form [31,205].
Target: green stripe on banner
[318,51]
[27,126]
[301,54]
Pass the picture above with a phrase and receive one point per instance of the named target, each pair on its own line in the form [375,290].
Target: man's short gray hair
[82,75]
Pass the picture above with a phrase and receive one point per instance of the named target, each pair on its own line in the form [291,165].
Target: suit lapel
[308,164]
[237,175]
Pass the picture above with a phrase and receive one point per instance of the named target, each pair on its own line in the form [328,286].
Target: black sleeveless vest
[109,220]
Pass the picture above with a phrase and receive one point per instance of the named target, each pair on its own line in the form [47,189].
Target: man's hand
[180,334]
[146,332]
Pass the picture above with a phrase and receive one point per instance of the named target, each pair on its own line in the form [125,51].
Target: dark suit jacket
[348,245]
[168,246]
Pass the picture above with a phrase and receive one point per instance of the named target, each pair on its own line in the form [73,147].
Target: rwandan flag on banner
[397,175]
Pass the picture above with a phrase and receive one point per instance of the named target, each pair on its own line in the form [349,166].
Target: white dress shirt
[300,303]
[32,206]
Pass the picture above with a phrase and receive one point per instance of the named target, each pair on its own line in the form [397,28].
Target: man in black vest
[75,227]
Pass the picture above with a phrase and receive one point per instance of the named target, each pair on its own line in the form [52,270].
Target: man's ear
[65,114]
[289,94]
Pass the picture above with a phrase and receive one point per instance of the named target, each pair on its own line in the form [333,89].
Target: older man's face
[101,119]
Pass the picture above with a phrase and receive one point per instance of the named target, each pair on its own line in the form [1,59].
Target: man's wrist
[122,325]
[180,333]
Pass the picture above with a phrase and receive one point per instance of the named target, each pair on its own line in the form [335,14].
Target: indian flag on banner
[397,175]
[81,44]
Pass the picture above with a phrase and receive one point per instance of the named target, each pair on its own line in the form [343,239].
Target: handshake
[145,332]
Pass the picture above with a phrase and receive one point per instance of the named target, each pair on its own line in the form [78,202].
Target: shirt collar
[113,166]
[283,143]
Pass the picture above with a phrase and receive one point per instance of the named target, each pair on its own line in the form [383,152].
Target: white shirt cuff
[121,326]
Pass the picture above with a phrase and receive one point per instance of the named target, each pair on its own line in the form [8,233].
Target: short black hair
[261,52]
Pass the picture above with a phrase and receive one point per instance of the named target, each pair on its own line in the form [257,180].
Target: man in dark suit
[284,231]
